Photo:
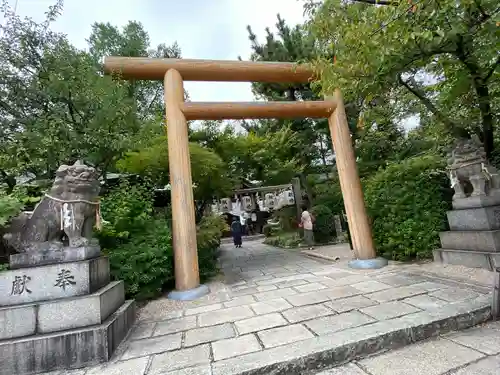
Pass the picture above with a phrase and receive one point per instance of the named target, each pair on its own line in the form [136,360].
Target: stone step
[62,314]
[475,219]
[487,241]
[70,349]
[52,282]
[333,349]
[467,258]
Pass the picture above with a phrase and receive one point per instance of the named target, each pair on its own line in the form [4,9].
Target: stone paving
[280,312]
[475,351]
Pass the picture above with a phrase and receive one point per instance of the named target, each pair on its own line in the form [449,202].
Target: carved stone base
[70,349]
[27,285]
[66,255]
[61,314]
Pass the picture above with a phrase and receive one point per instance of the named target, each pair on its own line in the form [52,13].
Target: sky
[204,29]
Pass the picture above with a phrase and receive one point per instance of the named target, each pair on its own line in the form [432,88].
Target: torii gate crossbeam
[173,72]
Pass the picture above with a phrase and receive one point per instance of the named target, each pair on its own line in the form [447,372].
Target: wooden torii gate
[173,72]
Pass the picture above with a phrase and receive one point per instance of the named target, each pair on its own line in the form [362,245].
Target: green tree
[262,156]
[209,174]
[296,45]
[133,41]
[444,54]
[55,107]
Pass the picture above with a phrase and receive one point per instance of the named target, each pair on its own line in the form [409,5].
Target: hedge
[139,243]
[407,203]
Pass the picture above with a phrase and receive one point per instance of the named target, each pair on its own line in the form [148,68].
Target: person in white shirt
[306,222]
[243,222]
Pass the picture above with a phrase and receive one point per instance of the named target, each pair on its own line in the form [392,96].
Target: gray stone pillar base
[190,294]
[373,264]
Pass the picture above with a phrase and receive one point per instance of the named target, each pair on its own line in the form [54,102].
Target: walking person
[306,222]
[236,231]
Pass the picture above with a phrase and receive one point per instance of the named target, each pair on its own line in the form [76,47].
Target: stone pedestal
[63,314]
[474,236]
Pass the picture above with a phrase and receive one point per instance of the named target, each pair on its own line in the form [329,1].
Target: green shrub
[139,244]
[272,230]
[208,241]
[208,238]
[9,207]
[285,240]
[29,195]
[4,267]
[145,262]
[214,222]
[407,202]
[127,212]
[324,226]
[328,194]
[287,217]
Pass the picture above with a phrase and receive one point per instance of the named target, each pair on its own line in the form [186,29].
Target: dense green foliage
[9,207]
[328,194]
[208,238]
[433,58]
[432,62]
[139,243]
[407,202]
[285,240]
[324,228]
[145,262]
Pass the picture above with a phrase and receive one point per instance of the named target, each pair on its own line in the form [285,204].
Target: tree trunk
[307,188]
[481,87]
[323,150]
[483,97]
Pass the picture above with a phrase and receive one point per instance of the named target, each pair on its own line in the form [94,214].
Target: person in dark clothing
[236,231]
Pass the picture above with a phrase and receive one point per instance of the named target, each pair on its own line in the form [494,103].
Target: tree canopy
[428,57]
[432,61]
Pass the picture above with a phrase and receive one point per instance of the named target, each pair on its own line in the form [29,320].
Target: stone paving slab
[235,347]
[349,369]
[430,358]
[190,357]
[284,335]
[335,323]
[300,314]
[425,302]
[175,325]
[279,312]
[153,345]
[485,339]
[350,303]
[208,334]
[389,310]
[485,366]
[270,306]
[260,323]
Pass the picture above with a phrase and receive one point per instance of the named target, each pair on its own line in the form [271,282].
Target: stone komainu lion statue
[468,164]
[68,211]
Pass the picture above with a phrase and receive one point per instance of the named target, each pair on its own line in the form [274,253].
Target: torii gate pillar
[187,278]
